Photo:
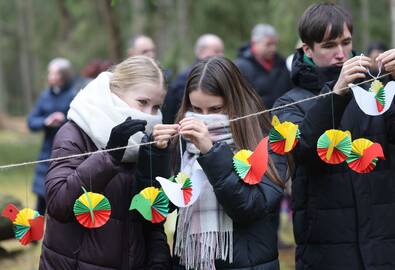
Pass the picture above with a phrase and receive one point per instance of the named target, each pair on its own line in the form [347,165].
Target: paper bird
[28,223]
[283,137]
[251,166]
[377,100]
[364,155]
[152,204]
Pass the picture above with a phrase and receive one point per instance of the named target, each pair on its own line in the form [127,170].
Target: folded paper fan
[92,210]
[378,88]
[334,146]
[251,166]
[152,204]
[364,155]
[28,223]
[377,100]
[283,137]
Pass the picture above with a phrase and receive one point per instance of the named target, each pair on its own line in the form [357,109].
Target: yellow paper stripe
[95,199]
[150,193]
[23,217]
[359,145]
[243,155]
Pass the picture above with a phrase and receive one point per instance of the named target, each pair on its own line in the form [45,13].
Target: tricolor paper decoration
[334,146]
[251,166]
[181,190]
[92,210]
[283,137]
[28,223]
[152,204]
[364,155]
[377,100]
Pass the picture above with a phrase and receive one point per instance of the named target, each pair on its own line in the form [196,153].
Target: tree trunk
[182,31]
[112,24]
[138,17]
[393,22]
[65,19]
[365,15]
[25,61]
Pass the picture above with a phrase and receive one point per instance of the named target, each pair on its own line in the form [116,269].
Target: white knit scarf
[204,230]
[96,110]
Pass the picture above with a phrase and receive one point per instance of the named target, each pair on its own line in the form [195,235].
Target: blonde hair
[135,70]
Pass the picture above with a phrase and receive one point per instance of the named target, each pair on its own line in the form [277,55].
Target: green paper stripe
[161,203]
[187,183]
[104,204]
[173,179]
[380,96]
[275,136]
[323,141]
[80,208]
[353,157]
[20,230]
[345,146]
[241,167]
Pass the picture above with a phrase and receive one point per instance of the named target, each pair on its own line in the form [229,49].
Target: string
[7,166]
[370,74]
[333,113]
[181,151]
[150,162]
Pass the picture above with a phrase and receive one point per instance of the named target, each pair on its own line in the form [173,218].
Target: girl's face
[205,103]
[145,97]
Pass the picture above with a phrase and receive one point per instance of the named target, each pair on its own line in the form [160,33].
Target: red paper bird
[28,223]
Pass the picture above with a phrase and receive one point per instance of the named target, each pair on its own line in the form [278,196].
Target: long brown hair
[218,76]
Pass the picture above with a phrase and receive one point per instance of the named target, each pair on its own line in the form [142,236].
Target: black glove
[120,135]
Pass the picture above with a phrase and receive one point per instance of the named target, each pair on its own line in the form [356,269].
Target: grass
[16,147]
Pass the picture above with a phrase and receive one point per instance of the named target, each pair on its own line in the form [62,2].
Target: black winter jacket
[253,209]
[342,219]
[269,84]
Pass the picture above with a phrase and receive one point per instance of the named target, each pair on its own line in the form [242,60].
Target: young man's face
[333,52]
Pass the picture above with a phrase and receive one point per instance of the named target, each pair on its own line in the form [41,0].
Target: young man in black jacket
[342,219]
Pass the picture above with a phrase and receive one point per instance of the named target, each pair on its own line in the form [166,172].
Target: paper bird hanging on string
[28,223]
[364,155]
[92,210]
[152,204]
[334,146]
[181,190]
[377,100]
[251,166]
[283,137]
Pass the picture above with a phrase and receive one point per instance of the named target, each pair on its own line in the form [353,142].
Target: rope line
[7,166]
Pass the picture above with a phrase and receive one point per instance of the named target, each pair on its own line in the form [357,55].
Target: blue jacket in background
[47,103]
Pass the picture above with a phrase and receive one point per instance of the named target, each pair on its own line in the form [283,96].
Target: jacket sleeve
[318,119]
[290,113]
[158,251]
[242,202]
[152,162]
[65,177]
[36,118]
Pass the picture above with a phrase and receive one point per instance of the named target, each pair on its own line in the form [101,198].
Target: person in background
[48,115]
[142,45]
[262,66]
[207,45]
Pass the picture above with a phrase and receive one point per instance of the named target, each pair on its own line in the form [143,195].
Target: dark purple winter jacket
[126,241]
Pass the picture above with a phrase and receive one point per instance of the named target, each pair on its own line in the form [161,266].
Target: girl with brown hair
[232,224]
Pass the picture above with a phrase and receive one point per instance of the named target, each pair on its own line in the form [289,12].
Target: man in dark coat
[48,114]
[262,66]
[342,219]
[207,45]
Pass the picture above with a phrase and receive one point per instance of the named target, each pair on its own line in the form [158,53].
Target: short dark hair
[318,17]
